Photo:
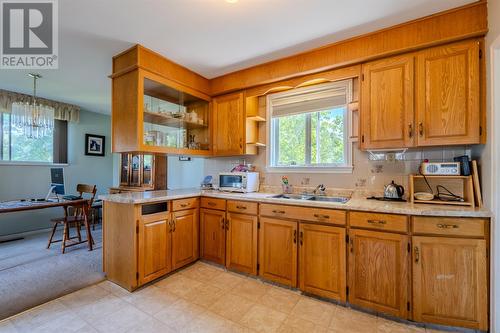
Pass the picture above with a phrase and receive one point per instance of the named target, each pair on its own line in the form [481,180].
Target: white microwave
[239,181]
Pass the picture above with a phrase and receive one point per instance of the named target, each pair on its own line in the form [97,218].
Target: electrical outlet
[305,181]
[391,157]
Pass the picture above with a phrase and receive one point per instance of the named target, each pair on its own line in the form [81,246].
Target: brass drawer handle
[174,221]
[295,236]
[222,223]
[301,237]
[321,216]
[241,207]
[410,130]
[227,224]
[377,222]
[417,254]
[210,203]
[278,211]
[185,205]
[351,242]
[447,226]
[421,129]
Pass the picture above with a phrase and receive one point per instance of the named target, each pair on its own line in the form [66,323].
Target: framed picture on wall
[94,145]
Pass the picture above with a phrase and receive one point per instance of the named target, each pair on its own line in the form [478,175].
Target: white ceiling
[211,37]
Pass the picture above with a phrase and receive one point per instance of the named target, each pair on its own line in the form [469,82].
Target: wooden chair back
[87,189]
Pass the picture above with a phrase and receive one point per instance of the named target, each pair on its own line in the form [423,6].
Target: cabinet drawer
[472,227]
[304,213]
[244,207]
[184,204]
[213,203]
[389,222]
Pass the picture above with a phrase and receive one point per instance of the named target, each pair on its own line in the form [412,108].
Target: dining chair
[78,218]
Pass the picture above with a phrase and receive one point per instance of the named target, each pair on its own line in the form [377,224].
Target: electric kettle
[393,191]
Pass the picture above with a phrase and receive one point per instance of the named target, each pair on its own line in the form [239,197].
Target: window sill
[47,164]
[342,169]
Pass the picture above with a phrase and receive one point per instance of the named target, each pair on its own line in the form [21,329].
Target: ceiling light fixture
[37,120]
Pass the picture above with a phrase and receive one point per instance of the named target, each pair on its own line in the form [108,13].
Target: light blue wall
[184,174]
[18,182]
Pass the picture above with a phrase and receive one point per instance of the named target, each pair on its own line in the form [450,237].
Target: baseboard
[25,234]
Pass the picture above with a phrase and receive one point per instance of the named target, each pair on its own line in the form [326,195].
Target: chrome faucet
[320,190]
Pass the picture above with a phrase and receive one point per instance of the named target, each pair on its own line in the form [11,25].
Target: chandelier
[36,120]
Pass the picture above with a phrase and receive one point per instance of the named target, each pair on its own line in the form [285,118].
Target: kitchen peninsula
[402,245]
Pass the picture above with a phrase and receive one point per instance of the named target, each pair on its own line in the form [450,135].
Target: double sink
[309,197]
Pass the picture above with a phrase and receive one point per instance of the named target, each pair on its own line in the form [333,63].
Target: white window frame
[271,127]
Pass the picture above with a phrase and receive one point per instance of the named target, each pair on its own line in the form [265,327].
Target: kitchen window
[309,129]
[16,147]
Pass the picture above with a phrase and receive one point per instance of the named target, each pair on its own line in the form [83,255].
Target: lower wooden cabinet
[241,243]
[213,235]
[185,248]
[378,271]
[278,250]
[154,241]
[450,281]
[322,262]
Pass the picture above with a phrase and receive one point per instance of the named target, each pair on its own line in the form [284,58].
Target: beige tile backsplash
[367,175]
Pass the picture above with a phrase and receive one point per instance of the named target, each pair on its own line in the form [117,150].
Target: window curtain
[62,111]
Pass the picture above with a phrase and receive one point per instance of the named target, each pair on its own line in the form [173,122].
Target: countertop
[357,202]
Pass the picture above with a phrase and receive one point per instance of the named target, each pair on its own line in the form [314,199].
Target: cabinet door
[322,261]
[212,235]
[387,115]
[278,251]
[228,125]
[184,237]
[378,271]
[154,248]
[449,281]
[447,91]
[241,242]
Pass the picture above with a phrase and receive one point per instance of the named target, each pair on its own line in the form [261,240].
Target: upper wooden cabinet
[387,103]
[448,99]
[158,106]
[236,122]
[229,125]
[427,98]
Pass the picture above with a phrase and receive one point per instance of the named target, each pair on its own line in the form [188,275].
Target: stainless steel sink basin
[311,197]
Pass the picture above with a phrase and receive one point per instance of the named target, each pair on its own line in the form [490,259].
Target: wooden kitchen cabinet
[229,125]
[378,271]
[185,247]
[241,243]
[278,250]
[154,247]
[213,235]
[322,261]
[236,120]
[450,281]
[448,94]
[387,117]
[158,106]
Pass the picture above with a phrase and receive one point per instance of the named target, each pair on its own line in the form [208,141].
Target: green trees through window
[310,139]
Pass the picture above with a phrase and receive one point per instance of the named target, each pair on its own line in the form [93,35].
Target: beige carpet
[31,275]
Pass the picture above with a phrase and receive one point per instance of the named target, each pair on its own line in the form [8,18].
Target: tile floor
[200,298]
